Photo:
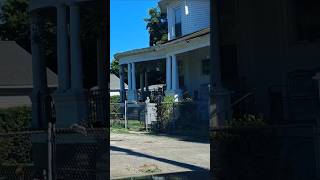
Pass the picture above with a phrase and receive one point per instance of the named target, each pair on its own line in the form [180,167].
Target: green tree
[114,69]
[157,26]
[15,22]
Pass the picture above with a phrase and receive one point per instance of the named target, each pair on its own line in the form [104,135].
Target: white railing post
[147,119]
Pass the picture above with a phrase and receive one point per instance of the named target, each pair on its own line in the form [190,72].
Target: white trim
[162,51]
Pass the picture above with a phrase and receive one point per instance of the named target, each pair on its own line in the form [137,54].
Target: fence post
[317,145]
[146,113]
[125,114]
[49,151]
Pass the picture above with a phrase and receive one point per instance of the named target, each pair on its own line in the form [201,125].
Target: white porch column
[39,74]
[72,106]
[62,48]
[133,76]
[122,88]
[132,92]
[175,74]
[175,78]
[129,77]
[172,77]
[168,73]
[75,44]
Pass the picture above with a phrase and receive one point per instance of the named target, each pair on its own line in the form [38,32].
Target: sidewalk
[134,155]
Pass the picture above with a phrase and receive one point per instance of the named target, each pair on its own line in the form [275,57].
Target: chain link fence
[77,153]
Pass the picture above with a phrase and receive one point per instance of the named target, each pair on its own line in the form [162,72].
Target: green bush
[165,112]
[15,119]
[115,99]
[248,120]
[187,115]
[15,149]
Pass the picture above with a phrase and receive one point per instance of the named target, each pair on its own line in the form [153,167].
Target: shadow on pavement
[188,175]
[176,163]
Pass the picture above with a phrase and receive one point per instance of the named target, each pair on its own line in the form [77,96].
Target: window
[307,20]
[206,66]
[177,22]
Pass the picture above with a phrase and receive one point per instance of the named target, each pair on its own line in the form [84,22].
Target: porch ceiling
[184,44]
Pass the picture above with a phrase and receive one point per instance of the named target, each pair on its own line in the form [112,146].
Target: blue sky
[127,26]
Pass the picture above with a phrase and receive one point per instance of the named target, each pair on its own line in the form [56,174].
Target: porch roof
[185,43]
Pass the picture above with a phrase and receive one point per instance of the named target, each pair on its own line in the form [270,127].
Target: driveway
[140,154]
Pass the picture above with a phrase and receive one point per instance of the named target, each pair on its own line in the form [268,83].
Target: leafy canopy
[15,22]
[157,26]
[114,69]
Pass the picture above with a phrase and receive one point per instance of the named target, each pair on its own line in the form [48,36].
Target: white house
[184,58]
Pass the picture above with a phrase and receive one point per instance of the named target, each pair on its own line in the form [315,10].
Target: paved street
[139,155]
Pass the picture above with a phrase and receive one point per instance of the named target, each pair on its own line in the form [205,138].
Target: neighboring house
[273,55]
[270,57]
[184,58]
[16,76]
[115,85]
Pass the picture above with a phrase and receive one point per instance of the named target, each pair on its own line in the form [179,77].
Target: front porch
[180,65]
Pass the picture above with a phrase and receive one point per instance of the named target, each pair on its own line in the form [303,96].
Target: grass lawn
[133,125]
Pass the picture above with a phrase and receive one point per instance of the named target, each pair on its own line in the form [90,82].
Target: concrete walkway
[135,155]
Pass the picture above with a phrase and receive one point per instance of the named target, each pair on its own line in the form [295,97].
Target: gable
[16,66]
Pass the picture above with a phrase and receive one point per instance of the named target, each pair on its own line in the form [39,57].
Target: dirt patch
[149,169]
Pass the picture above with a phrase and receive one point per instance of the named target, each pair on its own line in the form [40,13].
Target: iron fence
[122,114]
[116,112]
[98,110]
[77,153]
[81,153]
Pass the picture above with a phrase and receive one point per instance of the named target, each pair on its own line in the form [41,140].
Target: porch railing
[152,94]
[97,106]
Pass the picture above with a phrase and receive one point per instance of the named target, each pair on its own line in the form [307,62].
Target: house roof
[187,37]
[115,83]
[16,67]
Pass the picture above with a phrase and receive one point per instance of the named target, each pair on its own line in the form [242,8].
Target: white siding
[192,67]
[197,17]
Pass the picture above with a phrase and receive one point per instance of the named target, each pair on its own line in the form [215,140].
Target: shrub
[16,148]
[165,112]
[15,119]
[248,120]
[187,114]
[115,99]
